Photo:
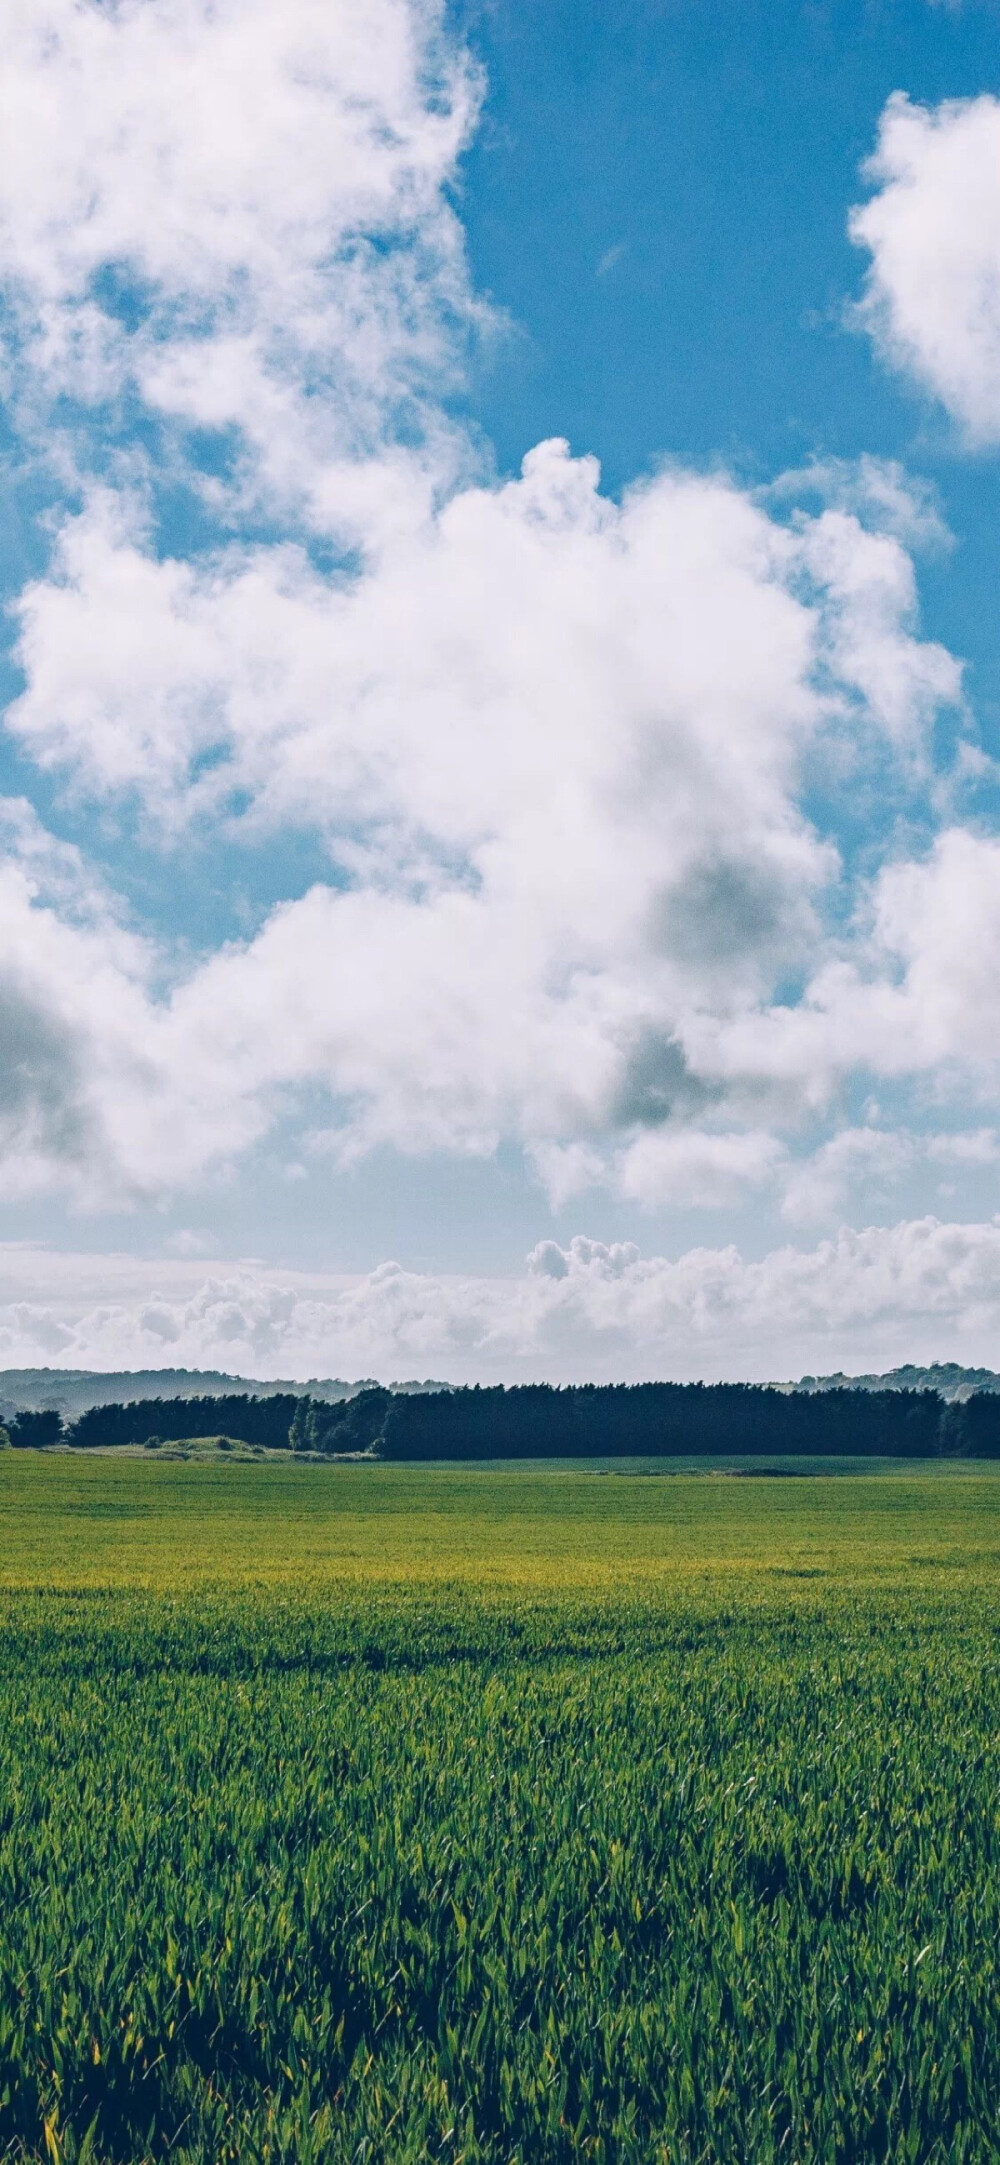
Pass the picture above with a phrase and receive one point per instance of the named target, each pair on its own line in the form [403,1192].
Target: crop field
[382,1814]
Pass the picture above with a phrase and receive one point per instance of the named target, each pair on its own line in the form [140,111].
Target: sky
[499,808]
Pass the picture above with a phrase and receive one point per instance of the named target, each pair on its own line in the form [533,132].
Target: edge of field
[218,1450]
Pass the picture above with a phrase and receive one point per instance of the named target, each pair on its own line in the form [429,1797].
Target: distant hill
[945,1377]
[70,1391]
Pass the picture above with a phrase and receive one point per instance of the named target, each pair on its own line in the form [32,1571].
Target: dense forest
[649,1420]
[540,1421]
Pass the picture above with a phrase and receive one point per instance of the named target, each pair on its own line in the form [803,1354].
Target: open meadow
[364,1814]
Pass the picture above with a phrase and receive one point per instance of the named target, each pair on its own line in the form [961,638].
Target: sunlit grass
[72,1520]
[367,1816]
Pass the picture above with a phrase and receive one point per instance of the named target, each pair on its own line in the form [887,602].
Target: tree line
[529,1421]
[246,1419]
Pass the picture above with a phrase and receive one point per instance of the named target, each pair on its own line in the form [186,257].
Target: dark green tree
[34,1431]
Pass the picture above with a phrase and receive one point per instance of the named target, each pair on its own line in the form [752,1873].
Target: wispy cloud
[610,258]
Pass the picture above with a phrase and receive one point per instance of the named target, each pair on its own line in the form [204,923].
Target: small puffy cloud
[932,229]
[697,1168]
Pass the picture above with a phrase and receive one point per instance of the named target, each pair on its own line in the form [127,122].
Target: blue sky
[409,860]
[717,149]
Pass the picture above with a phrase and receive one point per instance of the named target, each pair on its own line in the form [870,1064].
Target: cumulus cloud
[239,214]
[932,228]
[555,749]
[918,1290]
[531,645]
[915,998]
[575,769]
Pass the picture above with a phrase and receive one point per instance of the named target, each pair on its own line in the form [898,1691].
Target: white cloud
[915,998]
[557,748]
[861,1166]
[880,492]
[918,1290]
[869,579]
[240,211]
[699,1168]
[519,654]
[869,1159]
[932,297]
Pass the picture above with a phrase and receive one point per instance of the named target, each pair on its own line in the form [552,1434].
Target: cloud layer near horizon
[590,1310]
[639,829]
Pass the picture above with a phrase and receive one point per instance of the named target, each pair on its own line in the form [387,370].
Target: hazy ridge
[70,1391]
[945,1377]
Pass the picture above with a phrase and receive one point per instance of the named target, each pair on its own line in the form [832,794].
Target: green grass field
[377,1814]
